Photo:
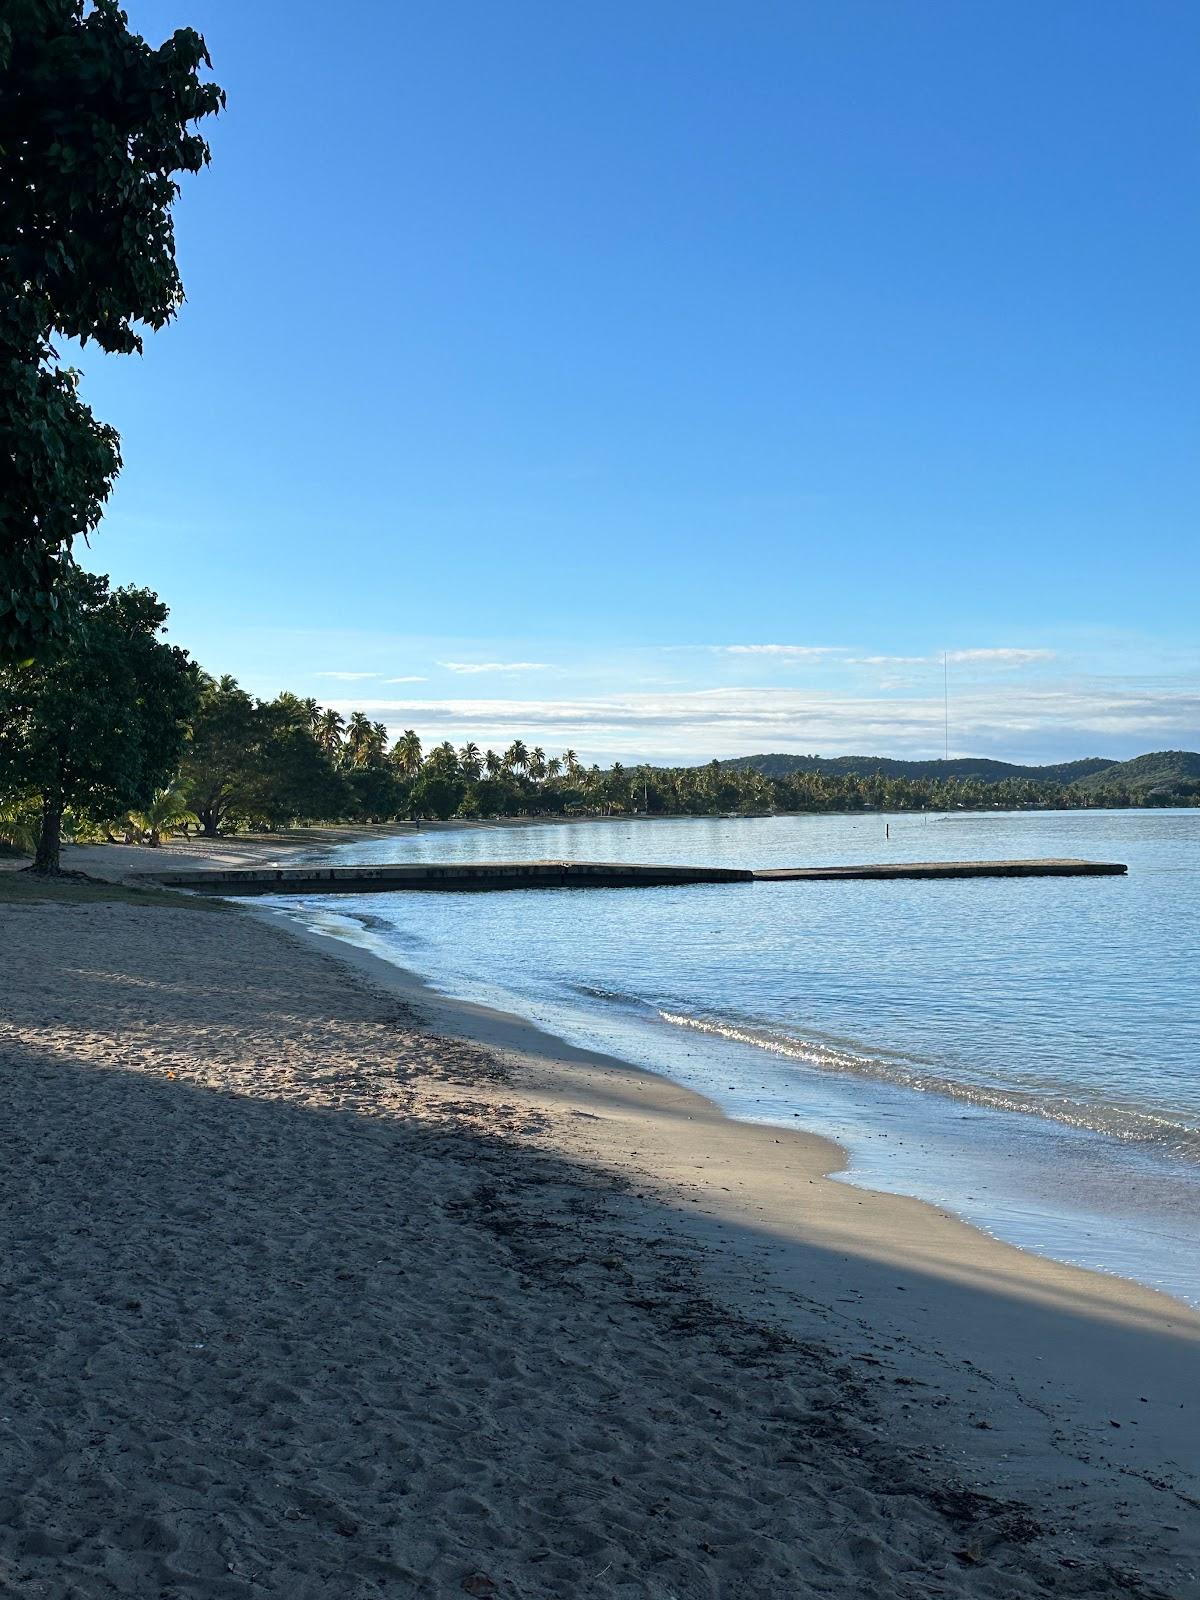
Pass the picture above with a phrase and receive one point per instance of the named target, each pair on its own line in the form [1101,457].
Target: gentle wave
[324,917]
[1128,1124]
[596,991]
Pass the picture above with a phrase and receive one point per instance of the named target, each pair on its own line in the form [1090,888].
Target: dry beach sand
[315,1284]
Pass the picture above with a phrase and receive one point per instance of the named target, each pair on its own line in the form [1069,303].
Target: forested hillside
[974,767]
[1169,770]
[1163,774]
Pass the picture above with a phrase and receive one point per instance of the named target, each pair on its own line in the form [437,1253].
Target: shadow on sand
[254,1348]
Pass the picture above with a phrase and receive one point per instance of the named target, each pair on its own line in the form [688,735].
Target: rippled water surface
[1024,1051]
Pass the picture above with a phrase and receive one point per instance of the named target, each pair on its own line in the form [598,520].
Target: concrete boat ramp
[493,875]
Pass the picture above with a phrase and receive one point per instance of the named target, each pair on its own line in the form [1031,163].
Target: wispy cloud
[493,666]
[786,651]
[890,661]
[352,677]
[1001,656]
[410,679]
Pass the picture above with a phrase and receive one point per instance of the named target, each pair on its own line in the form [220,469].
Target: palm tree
[492,764]
[406,753]
[330,727]
[291,706]
[516,757]
[169,809]
[313,712]
[553,767]
[616,787]
[570,763]
[379,739]
[443,760]
[358,738]
[593,782]
[470,761]
[537,764]
[20,827]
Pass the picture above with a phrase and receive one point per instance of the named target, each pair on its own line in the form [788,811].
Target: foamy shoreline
[1017,1217]
[920,1125]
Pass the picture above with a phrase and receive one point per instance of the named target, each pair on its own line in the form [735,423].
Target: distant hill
[977,767]
[1161,775]
[1168,770]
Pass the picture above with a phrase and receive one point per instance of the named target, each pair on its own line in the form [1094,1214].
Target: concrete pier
[455,875]
[494,875]
[1064,868]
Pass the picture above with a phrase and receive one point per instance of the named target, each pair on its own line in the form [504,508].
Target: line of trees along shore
[273,763]
[123,738]
[278,762]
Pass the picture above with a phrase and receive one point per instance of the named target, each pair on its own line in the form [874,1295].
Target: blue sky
[543,365]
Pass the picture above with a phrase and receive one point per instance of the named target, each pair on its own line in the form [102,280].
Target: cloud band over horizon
[1042,721]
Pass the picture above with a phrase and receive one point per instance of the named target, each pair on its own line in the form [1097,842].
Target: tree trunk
[46,860]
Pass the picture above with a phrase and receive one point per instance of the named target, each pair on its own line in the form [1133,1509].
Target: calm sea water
[1023,1052]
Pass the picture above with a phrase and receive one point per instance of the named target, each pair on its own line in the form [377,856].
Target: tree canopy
[94,125]
[259,760]
[99,726]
